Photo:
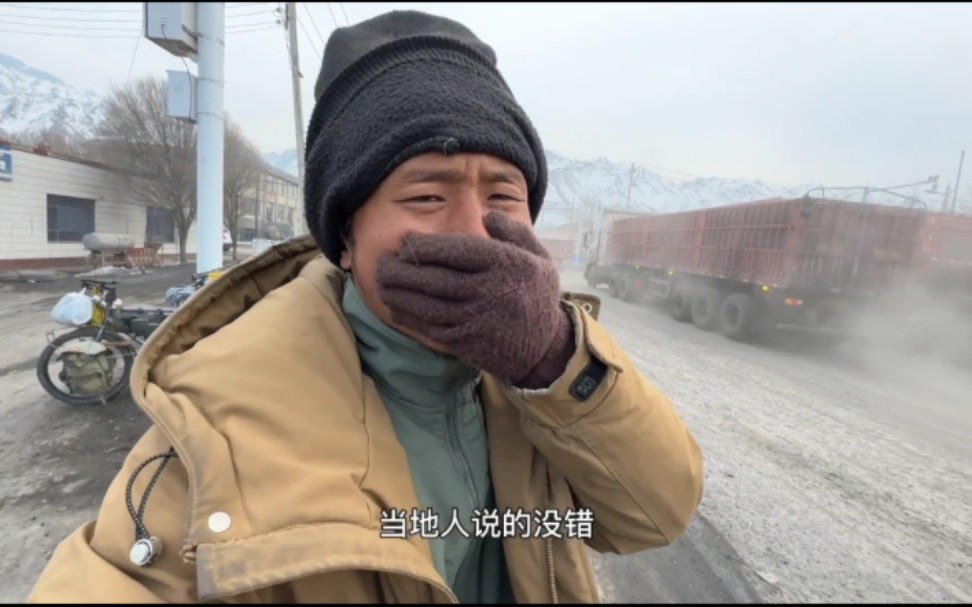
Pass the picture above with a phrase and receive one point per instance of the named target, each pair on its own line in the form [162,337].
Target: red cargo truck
[779,264]
[943,261]
[561,249]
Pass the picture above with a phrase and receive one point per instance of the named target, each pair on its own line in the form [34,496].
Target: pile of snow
[112,271]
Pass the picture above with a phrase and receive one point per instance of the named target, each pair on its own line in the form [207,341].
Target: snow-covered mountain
[32,101]
[587,183]
[613,184]
[286,161]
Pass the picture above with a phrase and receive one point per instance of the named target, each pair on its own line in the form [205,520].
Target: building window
[68,218]
[159,226]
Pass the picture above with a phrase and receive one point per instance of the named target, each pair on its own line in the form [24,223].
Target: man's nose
[466,215]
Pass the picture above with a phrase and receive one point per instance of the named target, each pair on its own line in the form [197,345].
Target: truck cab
[597,262]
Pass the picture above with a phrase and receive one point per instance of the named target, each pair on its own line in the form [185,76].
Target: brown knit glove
[493,303]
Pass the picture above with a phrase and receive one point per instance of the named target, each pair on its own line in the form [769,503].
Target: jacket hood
[225,299]
[256,382]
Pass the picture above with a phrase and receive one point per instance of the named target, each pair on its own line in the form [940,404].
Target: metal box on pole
[181,95]
[172,26]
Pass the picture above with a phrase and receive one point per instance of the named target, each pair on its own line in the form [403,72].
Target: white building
[48,202]
[273,209]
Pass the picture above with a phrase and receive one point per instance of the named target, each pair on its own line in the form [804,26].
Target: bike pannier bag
[86,368]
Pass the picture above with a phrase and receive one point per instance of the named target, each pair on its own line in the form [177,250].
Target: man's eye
[429,198]
[506,198]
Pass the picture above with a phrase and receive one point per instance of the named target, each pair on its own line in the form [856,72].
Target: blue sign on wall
[6,163]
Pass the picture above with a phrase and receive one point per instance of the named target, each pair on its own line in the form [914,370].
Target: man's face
[430,194]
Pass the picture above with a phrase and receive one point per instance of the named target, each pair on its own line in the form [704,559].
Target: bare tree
[53,139]
[241,174]
[58,141]
[155,153]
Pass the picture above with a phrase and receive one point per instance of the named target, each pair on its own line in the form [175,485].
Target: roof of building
[280,173]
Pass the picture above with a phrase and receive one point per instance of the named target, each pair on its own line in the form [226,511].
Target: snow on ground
[111,271]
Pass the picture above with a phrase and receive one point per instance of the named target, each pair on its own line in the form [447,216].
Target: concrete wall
[24,195]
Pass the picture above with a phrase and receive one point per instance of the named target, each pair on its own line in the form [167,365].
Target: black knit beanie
[396,86]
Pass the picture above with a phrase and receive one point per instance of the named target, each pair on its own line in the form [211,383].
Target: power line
[309,40]
[132,64]
[314,23]
[348,21]
[263,12]
[333,18]
[231,27]
[255,29]
[67,35]
[73,19]
[72,10]
[70,27]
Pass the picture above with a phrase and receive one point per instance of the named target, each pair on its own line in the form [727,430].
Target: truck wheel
[591,275]
[613,288]
[631,294]
[625,292]
[736,317]
[621,288]
[681,303]
[705,308]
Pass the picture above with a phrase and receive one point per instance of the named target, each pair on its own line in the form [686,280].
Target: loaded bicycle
[176,296]
[96,357]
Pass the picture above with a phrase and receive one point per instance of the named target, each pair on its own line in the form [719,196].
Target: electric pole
[291,19]
[945,203]
[957,180]
[630,183]
[210,136]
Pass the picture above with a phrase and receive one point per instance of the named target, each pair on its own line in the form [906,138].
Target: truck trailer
[561,249]
[943,261]
[799,264]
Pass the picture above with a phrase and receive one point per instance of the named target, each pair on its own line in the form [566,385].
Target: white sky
[843,94]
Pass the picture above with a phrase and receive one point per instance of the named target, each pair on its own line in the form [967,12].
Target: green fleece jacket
[434,405]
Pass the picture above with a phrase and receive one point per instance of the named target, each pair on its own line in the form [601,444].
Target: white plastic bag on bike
[74,309]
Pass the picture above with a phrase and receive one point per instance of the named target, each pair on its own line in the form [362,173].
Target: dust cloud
[915,340]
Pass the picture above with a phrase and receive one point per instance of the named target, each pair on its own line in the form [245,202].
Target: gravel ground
[843,477]
[56,460]
[834,476]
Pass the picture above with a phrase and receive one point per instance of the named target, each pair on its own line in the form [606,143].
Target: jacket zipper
[452,431]
[552,574]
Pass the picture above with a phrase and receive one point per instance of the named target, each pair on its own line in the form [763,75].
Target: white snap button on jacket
[219,522]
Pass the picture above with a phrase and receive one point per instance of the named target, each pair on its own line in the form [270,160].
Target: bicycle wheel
[126,353]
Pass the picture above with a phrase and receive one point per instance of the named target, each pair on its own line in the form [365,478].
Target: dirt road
[56,460]
[825,479]
[840,476]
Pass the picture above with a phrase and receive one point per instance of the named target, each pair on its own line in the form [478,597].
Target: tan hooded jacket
[287,456]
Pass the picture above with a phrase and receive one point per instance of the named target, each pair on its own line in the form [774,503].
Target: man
[416,416]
